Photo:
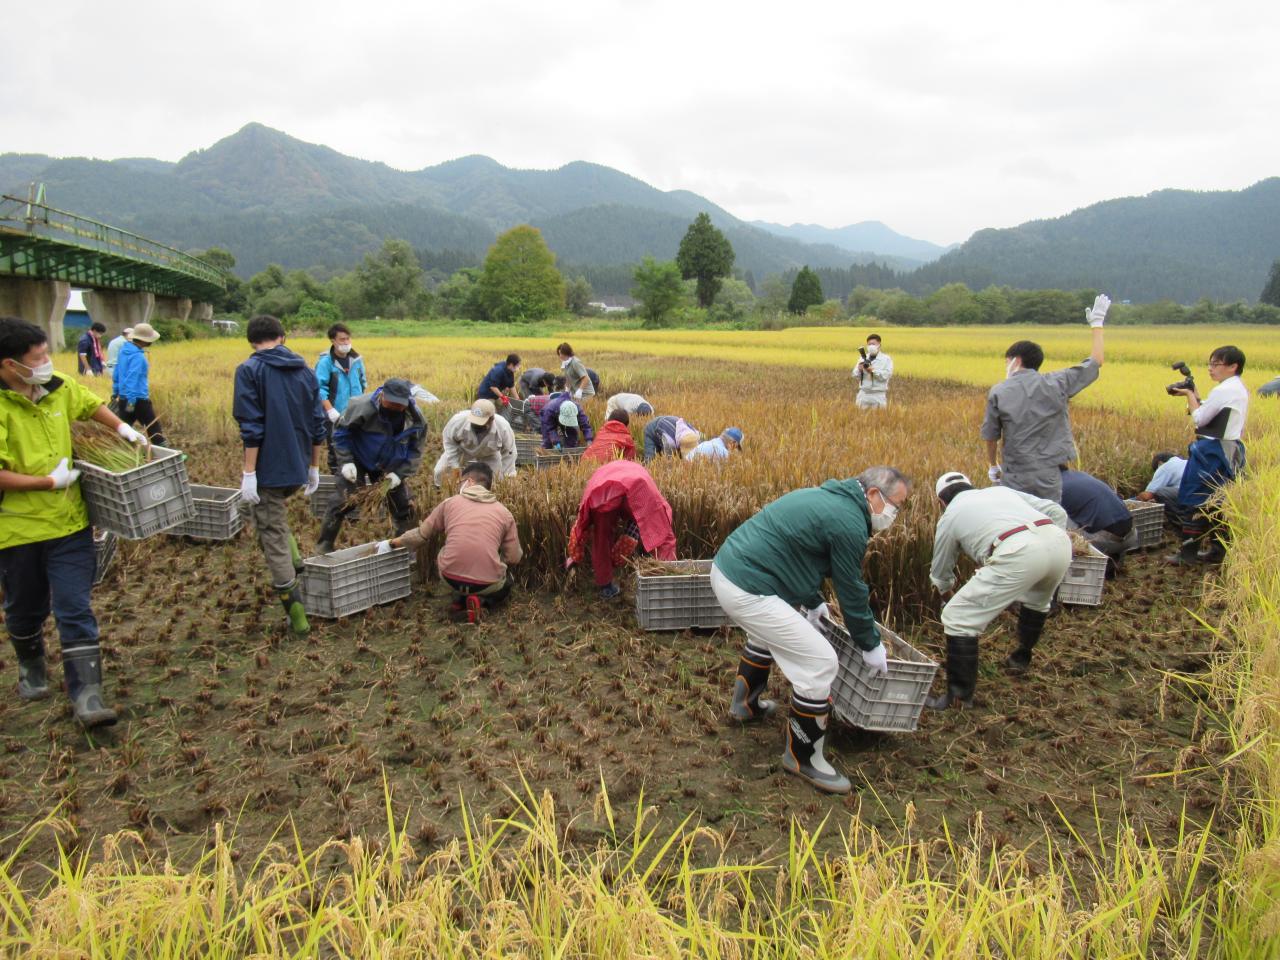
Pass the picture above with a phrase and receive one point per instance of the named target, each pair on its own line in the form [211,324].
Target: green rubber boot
[291,599]
[295,554]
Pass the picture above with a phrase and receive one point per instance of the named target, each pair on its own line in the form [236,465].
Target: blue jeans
[51,576]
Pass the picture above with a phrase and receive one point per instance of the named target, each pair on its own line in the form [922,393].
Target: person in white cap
[131,386]
[1021,542]
[477,434]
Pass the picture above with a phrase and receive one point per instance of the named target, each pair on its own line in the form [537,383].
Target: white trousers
[872,401]
[803,655]
[1027,567]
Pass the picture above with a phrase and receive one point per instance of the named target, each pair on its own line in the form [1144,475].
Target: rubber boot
[82,670]
[962,674]
[609,591]
[751,681]
[1030,626]
[291,600]
[806,732]
[295,554]
[1188,554]
[33,674]
[475,608]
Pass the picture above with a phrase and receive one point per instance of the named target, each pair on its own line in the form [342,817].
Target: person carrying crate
[283,428]
[1024,551]
[47,555]
[773,564]
[378,438]
[477,434]
[480,543]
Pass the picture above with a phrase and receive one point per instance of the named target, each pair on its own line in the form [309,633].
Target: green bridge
[128,279]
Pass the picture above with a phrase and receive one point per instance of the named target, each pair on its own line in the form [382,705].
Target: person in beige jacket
[481,540]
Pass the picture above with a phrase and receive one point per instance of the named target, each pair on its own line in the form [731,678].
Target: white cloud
[938,118]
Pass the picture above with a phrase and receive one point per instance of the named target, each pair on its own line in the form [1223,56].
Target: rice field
[399,786]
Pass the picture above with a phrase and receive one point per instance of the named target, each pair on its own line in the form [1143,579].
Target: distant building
[608,307]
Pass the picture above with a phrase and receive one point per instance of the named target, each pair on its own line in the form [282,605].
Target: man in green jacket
[776,562]
[47,557]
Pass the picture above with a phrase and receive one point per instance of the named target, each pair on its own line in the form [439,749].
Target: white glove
[577,394]
[1098,315]
[393,481]
[313,482]
[64,476]
[348,472]
[384,546]
[815,615]
[877,660]
[994,473]
[249,488]
[130,434]
[334,414]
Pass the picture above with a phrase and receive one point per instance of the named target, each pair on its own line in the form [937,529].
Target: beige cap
[482,412]
[144,332]
[126,331]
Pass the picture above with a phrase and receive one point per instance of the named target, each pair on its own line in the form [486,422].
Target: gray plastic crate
[141,502]
[218,515]
[527,447]
[318,503]
[520,416]
[1082,586]
[104,550]
[679,601]
[1148,520]
[347,581]
[870,701]
[549,458]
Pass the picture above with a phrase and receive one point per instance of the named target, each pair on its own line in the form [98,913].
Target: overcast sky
[936,118]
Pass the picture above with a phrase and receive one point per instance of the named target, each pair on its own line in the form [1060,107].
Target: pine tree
[806,291]
[1271,292]
[705,255]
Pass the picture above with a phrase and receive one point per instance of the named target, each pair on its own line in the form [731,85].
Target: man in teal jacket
[341,376]
[776,562]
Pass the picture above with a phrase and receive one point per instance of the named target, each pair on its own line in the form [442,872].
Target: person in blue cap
[718,448]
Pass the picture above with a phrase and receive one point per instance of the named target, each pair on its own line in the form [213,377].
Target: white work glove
[313,482]
[393,481]
[816,615]
[877,660]
[577,394]
[1098,315]
[249,489]
[64,476]
[384,546]
[348,472]
[994,473]
[130,434]
[334,414]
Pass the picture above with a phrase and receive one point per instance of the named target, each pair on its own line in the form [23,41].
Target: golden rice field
[556,783]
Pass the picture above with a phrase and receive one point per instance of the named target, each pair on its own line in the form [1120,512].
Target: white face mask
[38,375]
[1012,366]
[881,522]
[873,350]
[342,349]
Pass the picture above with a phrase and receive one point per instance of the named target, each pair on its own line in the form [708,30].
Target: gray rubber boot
[751,681]
[806,732]
[33,674]
[82,670]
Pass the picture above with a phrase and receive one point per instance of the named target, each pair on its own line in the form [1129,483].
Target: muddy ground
[226,719]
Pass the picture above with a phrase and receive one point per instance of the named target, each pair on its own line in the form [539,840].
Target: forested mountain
[859,237]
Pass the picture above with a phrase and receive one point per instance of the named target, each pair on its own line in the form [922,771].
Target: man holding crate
[1022,545]
[47,557]
[776,562]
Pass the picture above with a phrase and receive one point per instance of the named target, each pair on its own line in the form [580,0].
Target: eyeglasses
[1216,363]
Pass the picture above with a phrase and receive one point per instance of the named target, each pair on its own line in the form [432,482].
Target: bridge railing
[42,220]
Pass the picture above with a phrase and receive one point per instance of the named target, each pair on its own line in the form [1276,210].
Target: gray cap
[397,390]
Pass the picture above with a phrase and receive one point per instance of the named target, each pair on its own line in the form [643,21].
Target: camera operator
[872,373]
[1216,456]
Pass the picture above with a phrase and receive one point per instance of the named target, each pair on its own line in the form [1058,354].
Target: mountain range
[271,198]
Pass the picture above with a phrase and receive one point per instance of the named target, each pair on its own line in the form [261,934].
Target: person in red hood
[620,494]
[614,441]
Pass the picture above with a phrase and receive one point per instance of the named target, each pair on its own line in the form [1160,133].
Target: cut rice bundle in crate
[527,447]
[549,458]
[348,581]
[870,701]
[141,501]
[677,595]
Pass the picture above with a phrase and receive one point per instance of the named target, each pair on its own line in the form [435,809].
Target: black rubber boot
[327,538]
[291,600]
[82,670]
[751,681]
[1188,554]
[33,674]
[1030,626]
[806,732]
[962,674]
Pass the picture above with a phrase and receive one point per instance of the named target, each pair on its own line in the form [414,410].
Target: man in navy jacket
[282,425]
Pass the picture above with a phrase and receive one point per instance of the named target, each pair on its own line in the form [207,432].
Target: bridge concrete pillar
[172,308]
[202,312]
[42,302]
[117,309]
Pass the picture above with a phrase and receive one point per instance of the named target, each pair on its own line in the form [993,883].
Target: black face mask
[480,431]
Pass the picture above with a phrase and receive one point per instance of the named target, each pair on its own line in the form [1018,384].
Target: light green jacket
[33,438]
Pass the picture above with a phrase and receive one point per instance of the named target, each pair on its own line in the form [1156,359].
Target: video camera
[1187,384]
